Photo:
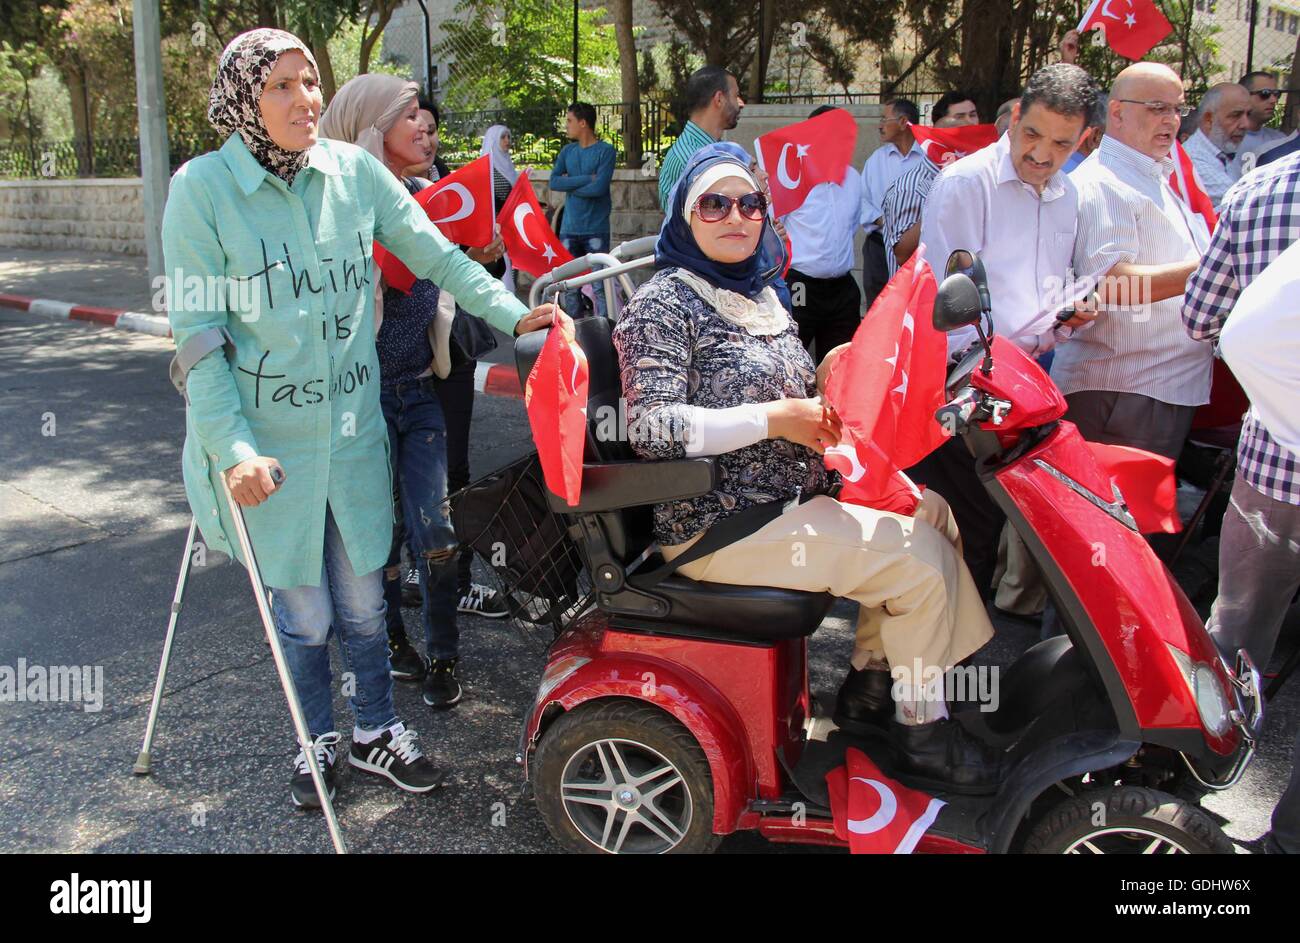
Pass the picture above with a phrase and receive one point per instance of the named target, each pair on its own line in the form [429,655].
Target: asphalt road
[92,525]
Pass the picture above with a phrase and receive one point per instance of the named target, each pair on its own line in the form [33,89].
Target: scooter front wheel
[622,777]
[1131,820]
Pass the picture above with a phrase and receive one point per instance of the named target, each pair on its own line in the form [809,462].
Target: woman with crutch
[283,379]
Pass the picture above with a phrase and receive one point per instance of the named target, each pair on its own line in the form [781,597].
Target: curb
[492,379]
[118,318]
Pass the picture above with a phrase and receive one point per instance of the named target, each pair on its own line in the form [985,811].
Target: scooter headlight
[1206,690]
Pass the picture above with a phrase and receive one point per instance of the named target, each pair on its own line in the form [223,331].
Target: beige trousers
[1019,581]
[917,600]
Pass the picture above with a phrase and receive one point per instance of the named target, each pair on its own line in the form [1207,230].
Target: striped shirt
[1217,169]
[902,205]
[1260,218]
[1128,213]
[692,138]
[885,165]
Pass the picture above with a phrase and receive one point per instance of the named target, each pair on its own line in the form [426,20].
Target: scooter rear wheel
[622,777]
[1130,820]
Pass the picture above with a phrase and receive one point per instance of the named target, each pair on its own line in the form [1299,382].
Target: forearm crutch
[277,654]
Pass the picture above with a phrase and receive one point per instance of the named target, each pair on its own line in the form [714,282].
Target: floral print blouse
[675,351]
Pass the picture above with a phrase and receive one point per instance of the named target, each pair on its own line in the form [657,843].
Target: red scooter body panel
[1128,594]
[1017,378]
[708,687]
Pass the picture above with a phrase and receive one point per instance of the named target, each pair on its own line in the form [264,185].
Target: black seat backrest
[628,531]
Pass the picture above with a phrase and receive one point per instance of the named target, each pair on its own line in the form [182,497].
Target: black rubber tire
[624,719]
[1124,806]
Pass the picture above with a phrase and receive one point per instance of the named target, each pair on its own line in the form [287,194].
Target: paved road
[92,522]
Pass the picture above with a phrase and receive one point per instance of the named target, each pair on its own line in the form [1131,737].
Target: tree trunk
[621,12]
[320,49]
[83,120]
[369,37]
[987,68]
[765,34]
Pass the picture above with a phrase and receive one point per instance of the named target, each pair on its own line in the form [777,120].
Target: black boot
[943,756]
[864,705]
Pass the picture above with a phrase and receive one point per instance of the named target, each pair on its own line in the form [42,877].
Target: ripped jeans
[417,436]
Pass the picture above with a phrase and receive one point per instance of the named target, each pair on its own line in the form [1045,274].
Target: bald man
[1135,377]
[1222,122]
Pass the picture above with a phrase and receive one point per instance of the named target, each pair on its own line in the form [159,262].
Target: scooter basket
[506,519]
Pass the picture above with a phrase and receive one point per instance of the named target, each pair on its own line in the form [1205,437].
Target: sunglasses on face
[715,207]
[1266,93]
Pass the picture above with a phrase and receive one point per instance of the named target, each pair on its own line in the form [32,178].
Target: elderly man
[1011,204]
[1221,123]
[1135,377]
[1264,96]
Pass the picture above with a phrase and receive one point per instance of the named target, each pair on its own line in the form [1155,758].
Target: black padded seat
[727,612]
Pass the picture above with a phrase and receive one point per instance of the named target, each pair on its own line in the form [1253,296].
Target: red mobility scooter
[673,712]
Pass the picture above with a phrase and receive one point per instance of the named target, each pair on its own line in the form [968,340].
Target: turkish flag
[533,246]
[800,156]
[877,815]
[945,145]
[1132,27]
[555,397]
[886,388]
[460,204]
[1147,482]
[1184,182]
[396,274]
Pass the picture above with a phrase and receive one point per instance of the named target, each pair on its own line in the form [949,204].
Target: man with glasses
[1222,122]
[1264,96]
[1135,378]
[897,153]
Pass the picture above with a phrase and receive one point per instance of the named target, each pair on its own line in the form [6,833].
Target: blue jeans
[581,245]
[417,436]
[354,605]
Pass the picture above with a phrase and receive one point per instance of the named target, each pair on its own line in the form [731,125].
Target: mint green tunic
[294,286]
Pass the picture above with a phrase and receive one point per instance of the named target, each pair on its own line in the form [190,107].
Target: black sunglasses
[1266,93]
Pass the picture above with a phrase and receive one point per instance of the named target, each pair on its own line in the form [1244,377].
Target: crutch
[142,762]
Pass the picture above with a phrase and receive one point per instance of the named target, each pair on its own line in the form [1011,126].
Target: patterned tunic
[675,351]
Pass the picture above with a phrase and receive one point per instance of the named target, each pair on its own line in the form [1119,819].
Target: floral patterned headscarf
[233,102]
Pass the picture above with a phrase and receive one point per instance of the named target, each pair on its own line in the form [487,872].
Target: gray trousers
[1130,419]
[1259,573]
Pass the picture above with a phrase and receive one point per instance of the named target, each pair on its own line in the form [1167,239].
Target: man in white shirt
[1135,377]
[1011,204]
[1264,96]
[898,152]
[1221,124]
[824,295]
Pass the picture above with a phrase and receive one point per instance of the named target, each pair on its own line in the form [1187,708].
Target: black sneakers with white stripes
[395,756]
[484,601]
[302,789]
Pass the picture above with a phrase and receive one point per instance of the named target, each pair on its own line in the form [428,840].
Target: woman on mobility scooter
[711,364]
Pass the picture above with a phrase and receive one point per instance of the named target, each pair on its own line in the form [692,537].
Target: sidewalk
[109,281]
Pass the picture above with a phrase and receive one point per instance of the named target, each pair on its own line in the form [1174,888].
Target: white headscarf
[501,161]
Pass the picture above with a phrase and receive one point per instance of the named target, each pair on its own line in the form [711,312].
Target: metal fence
[101,157]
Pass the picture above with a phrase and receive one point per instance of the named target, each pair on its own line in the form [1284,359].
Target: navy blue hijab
[677,247]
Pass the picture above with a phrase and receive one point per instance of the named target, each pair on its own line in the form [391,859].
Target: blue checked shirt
[1260,218]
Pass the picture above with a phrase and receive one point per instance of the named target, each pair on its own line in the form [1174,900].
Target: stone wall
[96,215]
[107,215]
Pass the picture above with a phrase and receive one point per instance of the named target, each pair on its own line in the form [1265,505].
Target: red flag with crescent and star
[460,204]
[886,388]
[533,246]
[799,156]
[555,398]
[877,815]
[945,145]
[1132,27]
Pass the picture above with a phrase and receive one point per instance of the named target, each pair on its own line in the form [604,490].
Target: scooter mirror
[959,261]
[957,303]
[968,263]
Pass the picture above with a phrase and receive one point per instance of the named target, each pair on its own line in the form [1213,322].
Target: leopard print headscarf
[241,77]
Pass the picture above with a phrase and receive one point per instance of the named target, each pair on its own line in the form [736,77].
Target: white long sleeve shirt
[880,171]
[1025,240]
